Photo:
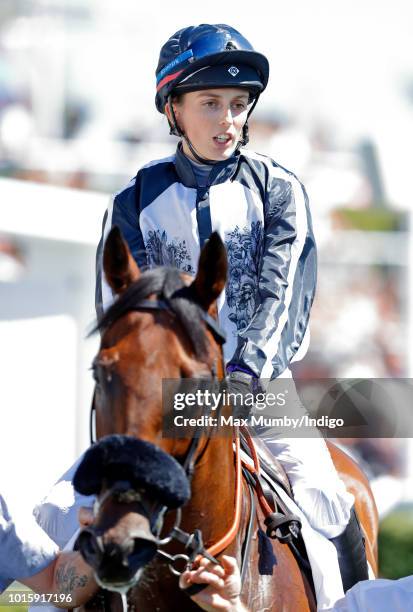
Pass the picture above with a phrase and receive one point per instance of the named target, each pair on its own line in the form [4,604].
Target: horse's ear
[212,271]
[121,270]
[89,474]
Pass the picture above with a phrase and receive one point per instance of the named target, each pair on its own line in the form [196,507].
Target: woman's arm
[286,283]
[67,575]
[123,213]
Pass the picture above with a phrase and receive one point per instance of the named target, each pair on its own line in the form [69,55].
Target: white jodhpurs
[318,490]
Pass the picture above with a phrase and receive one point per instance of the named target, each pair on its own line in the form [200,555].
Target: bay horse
[161,327]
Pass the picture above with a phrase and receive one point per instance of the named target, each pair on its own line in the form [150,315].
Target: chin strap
[175,130]
[245,132]
[201,160]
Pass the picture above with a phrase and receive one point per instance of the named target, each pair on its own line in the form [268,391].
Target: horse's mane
[168,285]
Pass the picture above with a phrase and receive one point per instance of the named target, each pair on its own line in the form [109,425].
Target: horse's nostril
[89,546]
[143,552]
[115,553]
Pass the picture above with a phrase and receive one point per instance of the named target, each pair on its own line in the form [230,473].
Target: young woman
[209,79]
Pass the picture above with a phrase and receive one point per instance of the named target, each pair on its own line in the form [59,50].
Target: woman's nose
[227,117]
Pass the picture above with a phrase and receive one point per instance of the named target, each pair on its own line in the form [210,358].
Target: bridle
[282,526]
[192,542]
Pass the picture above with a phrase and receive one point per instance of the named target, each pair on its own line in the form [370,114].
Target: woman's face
[212,120]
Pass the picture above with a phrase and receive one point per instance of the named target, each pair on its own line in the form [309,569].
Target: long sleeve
[123,212]
[25,549]
[286,283]
[379,595]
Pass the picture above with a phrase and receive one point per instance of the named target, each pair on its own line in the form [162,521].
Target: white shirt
[25,549]
[378,596]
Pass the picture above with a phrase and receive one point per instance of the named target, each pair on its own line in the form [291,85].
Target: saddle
[281,524]
[272,467]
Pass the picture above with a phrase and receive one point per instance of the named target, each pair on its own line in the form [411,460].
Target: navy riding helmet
[204,57]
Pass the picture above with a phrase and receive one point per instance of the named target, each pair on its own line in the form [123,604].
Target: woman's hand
[224,585]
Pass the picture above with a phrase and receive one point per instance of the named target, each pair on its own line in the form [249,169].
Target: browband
[211,323]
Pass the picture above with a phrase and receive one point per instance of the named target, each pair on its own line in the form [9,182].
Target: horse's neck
[213,490]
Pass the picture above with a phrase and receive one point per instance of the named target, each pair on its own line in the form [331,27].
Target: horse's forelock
[168,285]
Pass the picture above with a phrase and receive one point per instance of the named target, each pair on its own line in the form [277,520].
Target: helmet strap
[245,132]
[199,158]
[175,130]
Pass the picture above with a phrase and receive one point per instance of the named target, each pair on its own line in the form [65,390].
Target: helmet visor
[222,75]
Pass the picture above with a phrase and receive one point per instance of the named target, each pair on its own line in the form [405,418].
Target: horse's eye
[101,374]
[94,373]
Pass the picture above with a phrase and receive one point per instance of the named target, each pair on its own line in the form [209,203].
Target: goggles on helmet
[201,47]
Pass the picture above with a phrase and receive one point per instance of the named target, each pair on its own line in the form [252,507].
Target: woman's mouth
[223,139]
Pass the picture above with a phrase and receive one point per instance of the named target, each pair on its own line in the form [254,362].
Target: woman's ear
[177,113]
[168,113]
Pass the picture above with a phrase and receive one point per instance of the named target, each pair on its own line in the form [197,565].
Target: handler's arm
[67,575]
[123,213]
[287,281]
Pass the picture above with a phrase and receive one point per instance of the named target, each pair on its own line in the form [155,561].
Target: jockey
[208,81]
[28,555]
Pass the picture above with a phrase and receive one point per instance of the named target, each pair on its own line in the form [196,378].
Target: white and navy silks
[261,212]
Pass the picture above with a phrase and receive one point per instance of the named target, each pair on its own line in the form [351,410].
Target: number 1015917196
[26,597]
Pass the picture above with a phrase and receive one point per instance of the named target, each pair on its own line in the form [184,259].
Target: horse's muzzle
[113,563]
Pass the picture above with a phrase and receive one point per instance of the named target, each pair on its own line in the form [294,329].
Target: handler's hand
[224,585]
[85,516]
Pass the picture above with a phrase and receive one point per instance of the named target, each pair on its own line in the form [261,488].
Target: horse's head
[135,482]
[160,327]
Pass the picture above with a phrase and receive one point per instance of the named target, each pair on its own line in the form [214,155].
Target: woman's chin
[222,154]
[213,153]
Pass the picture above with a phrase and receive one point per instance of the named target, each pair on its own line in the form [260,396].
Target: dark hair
[167,284]
[177,98]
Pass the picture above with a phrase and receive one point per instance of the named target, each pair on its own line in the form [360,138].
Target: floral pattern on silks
[163,253]
[244,250]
